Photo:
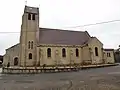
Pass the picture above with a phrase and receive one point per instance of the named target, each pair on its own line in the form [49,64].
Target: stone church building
[45,46]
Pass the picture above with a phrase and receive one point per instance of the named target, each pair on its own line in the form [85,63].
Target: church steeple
[29,28]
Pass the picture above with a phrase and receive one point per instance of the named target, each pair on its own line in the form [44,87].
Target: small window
[63,52]
[32,45]
[96,51]
[30,55]
[29,16]
[77,53]
[108,55]
[33,17]
[48,52]
[29,45]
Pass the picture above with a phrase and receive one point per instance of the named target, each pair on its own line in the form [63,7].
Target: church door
[15,61]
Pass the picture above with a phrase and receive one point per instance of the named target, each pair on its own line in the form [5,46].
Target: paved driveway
[107,78]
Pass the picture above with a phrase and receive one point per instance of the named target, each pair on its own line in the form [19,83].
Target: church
[54,47]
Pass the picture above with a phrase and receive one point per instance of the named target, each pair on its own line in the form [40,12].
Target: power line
[74,26]
[93,24]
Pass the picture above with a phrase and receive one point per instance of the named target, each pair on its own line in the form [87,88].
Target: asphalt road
[107,78]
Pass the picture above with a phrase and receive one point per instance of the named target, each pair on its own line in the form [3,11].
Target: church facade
[45,46]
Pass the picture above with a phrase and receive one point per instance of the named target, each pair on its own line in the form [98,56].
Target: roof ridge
[13,46]
[60,29]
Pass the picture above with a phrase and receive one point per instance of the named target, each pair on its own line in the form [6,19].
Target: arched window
[63,52]
[96,51]
[30,55]
[77,53]
[29,16]
[32,45]
[33,17]
[15,61]
[29,45]
[48,52]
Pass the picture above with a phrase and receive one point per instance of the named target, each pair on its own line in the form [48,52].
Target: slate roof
[63,37]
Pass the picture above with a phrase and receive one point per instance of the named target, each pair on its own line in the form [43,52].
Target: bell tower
[28,41]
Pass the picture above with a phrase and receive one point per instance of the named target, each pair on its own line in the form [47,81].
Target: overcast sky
[63,14]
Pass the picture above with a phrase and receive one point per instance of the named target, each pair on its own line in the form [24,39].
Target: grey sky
[63,14]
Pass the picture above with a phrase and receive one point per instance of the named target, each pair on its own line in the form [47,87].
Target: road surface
[107,78]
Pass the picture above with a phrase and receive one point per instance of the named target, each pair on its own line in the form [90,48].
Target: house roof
[108,49]
[63,37]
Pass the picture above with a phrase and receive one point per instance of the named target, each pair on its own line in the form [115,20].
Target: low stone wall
[35,70]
